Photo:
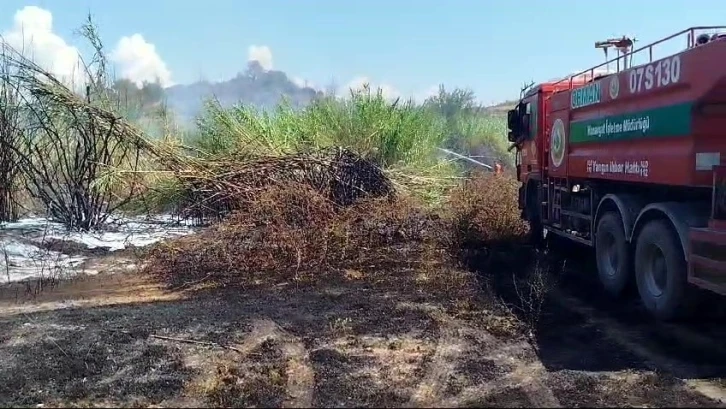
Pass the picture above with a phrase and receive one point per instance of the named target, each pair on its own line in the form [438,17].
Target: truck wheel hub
[611,256]
[656,272]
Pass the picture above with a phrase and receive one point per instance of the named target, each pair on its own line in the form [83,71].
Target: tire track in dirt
[693,348]
[528,374]
[525,377]
[300,374]
[448,351]
[635,340]
[525,374]
[707,388]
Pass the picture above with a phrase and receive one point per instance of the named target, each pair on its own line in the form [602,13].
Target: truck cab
[523,133]
[527,125]
[529,133]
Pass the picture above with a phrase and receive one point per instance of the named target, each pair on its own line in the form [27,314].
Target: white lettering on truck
[637,168]
[654,75]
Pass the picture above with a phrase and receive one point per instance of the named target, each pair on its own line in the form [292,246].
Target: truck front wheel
[533,213]
[612,253]
[660,271]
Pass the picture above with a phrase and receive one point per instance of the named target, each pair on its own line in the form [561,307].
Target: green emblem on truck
[557,143]
[614,87]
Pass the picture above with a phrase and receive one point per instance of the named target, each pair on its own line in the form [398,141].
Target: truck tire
[661,271]
[612,253]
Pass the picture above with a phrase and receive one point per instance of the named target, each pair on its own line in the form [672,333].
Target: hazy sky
[406,46]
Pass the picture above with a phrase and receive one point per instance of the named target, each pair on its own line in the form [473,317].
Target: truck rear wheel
[612,254]
[661,271]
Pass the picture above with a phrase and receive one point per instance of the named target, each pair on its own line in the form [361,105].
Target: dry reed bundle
[213,189]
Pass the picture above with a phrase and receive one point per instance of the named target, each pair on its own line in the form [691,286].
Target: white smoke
[135,58]
[32,35]
[262,54]
[138,61]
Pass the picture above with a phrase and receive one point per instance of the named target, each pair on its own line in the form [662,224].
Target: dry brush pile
[296,232]
[298,218]
[211,189]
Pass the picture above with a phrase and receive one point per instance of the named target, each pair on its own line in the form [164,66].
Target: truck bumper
[707,258]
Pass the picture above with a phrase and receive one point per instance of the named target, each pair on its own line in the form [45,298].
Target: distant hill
[502,107]
[255,86]
[262,89]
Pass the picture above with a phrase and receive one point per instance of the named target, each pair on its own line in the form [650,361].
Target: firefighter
[497,168]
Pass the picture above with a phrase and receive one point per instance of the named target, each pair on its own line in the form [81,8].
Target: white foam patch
[23,256]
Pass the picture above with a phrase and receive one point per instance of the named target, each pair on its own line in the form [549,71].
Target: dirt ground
[123,340]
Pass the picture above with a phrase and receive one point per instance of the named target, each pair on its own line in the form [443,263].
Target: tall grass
[401,136]
[484,135]
[390,133]
[11,133]
[471,128]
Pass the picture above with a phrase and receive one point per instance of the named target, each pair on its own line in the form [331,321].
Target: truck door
[529,149]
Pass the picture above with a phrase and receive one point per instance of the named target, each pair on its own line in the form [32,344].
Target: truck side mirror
[511,136]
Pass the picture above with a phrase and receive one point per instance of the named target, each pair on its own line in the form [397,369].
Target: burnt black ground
[355,342]
[581,328]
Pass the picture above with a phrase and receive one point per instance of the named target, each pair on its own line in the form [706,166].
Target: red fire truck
[627,157]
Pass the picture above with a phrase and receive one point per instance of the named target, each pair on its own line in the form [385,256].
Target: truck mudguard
[627,204]
[682,216]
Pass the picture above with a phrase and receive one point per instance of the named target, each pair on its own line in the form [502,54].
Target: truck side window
[526,124]
[532,111]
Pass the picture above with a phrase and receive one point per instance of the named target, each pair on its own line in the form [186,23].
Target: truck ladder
[553,200]
[646,52]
